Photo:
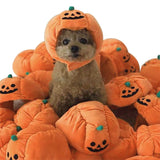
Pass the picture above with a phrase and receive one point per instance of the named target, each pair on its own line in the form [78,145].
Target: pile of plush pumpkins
[128,128]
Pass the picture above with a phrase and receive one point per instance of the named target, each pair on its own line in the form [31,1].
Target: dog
[69,88]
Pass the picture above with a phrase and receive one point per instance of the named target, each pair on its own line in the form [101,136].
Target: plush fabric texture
[42,78]
[149,108]
[116,60]
[150,70]
[63,21]
[125,90]
[38,111]
[7,128]
[90,127]
[15,88]
[143,158]
[39,142]
[41,60]
[126,147]
[33,60]
[21,63]
[148,140]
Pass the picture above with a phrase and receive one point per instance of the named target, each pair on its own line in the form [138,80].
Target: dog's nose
[74,49]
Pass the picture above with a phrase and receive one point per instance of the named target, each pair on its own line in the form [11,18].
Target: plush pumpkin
[148,140]
[143,158]
[21,63]
[73,20]
[149,108]
[38,111]
[150,70]
[33,60]
[42,78]
[125,90]
[7,128]
[116,60]
[127,142]
[38,142]
[90,127]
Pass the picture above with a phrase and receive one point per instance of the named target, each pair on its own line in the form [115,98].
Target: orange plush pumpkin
[33,60]
[7,128]
[149,108]
[72,20]
[125,90]
[143,158]
[116,60]
[38,142]
[148,140]
[21,63]
[38,111]
[42,78]
[90,127]
[41,60]
[127,142]
[151,70]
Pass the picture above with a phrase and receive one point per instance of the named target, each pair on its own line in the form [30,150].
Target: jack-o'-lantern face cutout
[123,91]
[123,53]
[7,89]
[97,147]
[72,14]
[149,108]
[144,101]
[128,90]
[131,69]
[9,157]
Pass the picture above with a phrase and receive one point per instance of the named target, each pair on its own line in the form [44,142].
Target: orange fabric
[126,147]
[148,140]
[80,124]
[42,78]
[33,60]
[125,90]
[149,108]
[143,158]
[41,60]
[150,70]
[116,60]
[59,22]
[39,142]
[19,88]
[7,129]
[6,114]
[35,111]
[21,63]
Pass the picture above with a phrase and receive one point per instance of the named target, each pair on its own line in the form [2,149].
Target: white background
[135,22]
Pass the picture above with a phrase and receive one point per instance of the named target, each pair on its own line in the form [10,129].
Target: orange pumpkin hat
[90,127]
[123,91]
[38,111]
[38,142]
[151,70]
[116,60]
[148,140]
[72,20]
[149,108]
[14,88]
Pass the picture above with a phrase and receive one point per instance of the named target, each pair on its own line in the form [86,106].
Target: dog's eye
[66,41]
[83,40]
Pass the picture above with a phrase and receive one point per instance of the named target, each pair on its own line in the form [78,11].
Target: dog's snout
[74,49]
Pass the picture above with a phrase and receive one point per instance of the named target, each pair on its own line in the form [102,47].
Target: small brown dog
[69,88]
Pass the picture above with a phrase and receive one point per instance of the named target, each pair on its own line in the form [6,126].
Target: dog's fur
[69,88]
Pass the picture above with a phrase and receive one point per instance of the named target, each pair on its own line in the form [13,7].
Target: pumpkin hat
[72,20]
[14,88]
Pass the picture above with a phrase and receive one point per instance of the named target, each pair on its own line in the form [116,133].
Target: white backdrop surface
[134,22]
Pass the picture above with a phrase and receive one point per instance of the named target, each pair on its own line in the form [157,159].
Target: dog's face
[75,45]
